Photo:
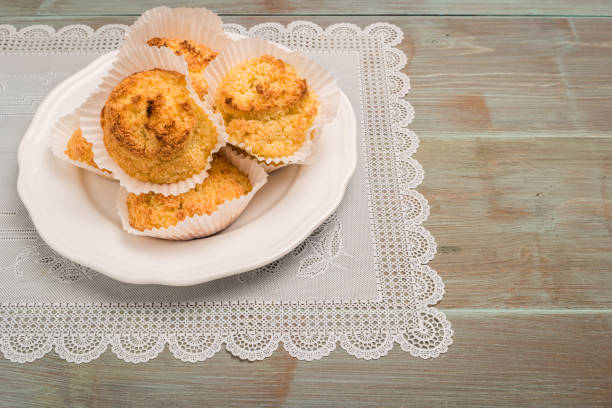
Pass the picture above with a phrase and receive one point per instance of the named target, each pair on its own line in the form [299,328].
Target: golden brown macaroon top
[261,84]
[267,107]
[225,182]
[79,149]
[277,134]
[154,130]
[197,55]
[149,115]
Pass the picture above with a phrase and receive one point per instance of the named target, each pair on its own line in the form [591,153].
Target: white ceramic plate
[74,211]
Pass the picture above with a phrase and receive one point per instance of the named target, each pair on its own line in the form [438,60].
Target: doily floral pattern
[254,330]
[77,348]
[321,249]
[309,346]
[40,256]
[192,347]
[315,255]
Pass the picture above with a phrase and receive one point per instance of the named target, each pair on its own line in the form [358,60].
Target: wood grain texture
[511,77]
[515,127]
[521,222]
[314,7]
[516,142]
[498,359]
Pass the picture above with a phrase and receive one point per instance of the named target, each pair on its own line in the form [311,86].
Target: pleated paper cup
[136,60]
[319,79]
[269,168]
[196,24]
[199,226]
[60,133]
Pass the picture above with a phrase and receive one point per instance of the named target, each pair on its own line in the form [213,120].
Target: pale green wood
[514,121]
[520,222]
[483,77]
[497,360]
[516,143]
[314,7]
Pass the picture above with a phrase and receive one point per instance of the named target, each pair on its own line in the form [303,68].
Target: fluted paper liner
[269,168]
[317,77]
[60,133]
[136,60]
[199,226]
[196,24]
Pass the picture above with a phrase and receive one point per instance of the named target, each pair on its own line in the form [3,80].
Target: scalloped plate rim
[49,233]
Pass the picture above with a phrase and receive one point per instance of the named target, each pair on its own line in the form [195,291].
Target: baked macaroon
[154,130]
[197,56]
[225,182]
[267,106]
[79,149]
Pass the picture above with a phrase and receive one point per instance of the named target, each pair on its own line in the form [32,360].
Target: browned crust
[225,182]
[197,55]
[154,130]
[79,149]
[261,84]
[171,135]
[277,133]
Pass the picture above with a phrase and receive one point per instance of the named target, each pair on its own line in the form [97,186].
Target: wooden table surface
[513,105]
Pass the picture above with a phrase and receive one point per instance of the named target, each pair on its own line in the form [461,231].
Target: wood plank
[516,145]
[521,222]
[58,22]
[527,229]
[498,359]
[515,142]
[483,77]
[510,77]
[316,7]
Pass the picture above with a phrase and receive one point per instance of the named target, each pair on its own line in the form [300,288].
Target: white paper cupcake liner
[139,59]
[60,133]
[318,78]
[269,168]
[203,225]
[197,24]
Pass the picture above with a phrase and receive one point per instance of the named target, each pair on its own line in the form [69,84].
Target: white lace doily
[361,284]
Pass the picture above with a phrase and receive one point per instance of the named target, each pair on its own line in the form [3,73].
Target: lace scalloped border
[138,348]
[429,333]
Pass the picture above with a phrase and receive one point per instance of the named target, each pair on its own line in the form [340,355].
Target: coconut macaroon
[267,106]
[79,149]
[154,130]
[197,56]
[224,183]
